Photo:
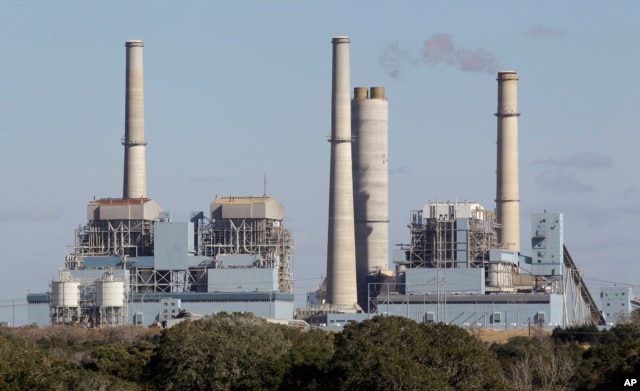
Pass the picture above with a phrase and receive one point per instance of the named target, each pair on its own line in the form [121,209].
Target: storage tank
[65,293]
[109,293]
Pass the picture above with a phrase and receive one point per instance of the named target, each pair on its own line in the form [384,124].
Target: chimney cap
[507,75]
[340,39]
[134,42]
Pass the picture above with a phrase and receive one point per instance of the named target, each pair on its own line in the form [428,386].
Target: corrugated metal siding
[247,208]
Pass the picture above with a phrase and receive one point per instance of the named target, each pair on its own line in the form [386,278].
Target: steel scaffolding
[260,236]
[441,242]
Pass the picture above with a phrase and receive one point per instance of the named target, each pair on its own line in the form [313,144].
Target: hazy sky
[234,89]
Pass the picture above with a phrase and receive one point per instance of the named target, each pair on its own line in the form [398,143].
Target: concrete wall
[278,309]
[484,313]
[172,243]
[247,208]
[465,280]
[38,314]
[148,308]
[117,209]
[616,303]
[242,280]
[547,244]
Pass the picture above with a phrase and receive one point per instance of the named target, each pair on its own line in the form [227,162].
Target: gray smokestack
[370,126]
[341,257]
[508,193]
[135,176]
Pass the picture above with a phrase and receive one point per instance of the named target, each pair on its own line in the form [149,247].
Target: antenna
[265,183]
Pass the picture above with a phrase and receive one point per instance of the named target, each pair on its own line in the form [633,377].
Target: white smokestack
[370,148]
[341,258]
[135,176]
[508,193]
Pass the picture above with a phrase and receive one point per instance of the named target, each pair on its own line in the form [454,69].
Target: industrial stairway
[596,316]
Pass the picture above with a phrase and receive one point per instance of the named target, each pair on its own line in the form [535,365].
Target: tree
[465,361]
[307,360]
[539,363]
[584,334]
[126,361]
[395,353]
[222,352]
[23,366]
[614,358]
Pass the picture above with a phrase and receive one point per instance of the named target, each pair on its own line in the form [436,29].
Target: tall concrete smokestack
[135,176]
[341,257]
[370,126]
[508,193]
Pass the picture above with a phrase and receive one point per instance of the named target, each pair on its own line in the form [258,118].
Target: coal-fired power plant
[462,265]
[135,176]
[132,264]
[341,250]
[370,148]
[508,193]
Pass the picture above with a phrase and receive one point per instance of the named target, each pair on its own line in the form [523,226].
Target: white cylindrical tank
[341,252]
[65,293]
[370,149]
[109,293]
[507,184]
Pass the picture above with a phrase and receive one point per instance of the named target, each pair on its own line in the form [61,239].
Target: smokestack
[508,193]
[135,176]
[341,257]
[370,126]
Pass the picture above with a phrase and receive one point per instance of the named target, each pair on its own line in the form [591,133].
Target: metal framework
[265,237]
[123,238]
[437,242]
[149,280]
[595,316]
[64,314]
[129,239]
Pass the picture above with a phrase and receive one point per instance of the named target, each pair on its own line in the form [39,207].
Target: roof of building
[241,200]
[120,201]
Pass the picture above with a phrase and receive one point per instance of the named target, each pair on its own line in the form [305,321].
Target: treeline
[242,352]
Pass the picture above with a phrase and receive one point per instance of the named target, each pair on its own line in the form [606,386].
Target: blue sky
[234,89]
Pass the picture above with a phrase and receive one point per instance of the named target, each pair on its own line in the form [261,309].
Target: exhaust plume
[438,49]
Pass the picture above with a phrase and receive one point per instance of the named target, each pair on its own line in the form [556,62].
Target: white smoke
[438,49]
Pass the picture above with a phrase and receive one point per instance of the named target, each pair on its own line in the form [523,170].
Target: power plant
[132,264]
[462,264]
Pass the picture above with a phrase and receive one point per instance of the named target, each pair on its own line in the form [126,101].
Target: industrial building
[132,264]
[463,263]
